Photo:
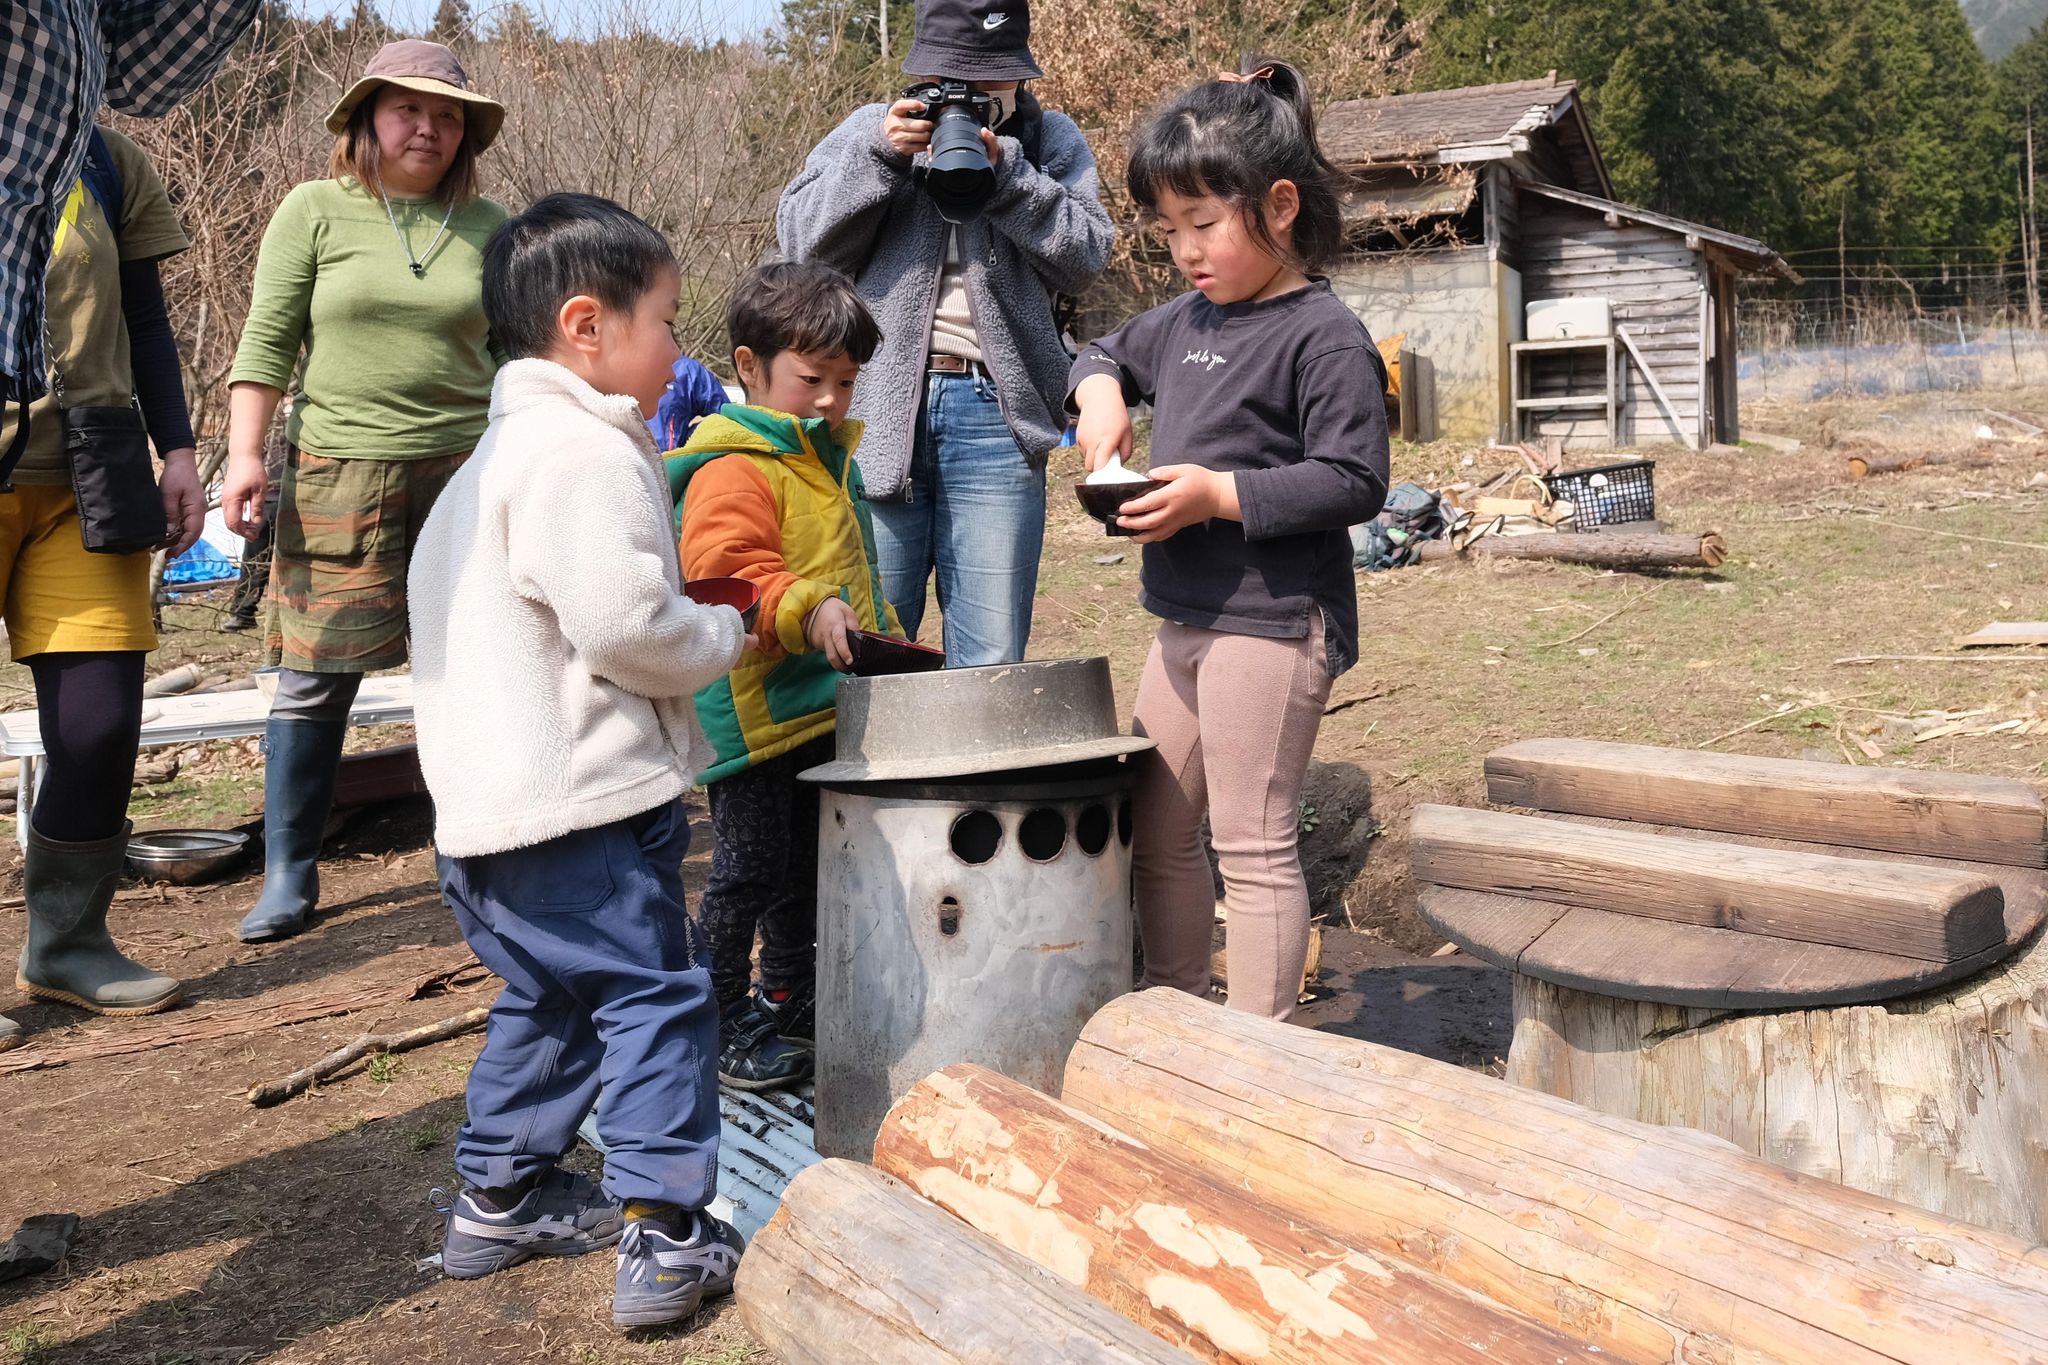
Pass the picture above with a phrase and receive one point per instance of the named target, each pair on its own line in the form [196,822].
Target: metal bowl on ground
[184,857]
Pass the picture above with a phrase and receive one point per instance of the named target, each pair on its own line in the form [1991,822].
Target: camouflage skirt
[345,532]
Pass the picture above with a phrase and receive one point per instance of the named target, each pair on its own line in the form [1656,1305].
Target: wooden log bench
[1653,1244]
[1174,1249]
[855,1267]
[1801,958]
[1220,1187]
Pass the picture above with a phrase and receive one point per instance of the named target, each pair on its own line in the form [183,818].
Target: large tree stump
[1937,1100]
[856,1267]
[1657,1244]
[1173,1250]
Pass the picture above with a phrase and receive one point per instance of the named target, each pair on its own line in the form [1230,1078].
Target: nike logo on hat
[995,21]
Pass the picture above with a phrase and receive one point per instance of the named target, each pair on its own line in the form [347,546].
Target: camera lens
[961,177]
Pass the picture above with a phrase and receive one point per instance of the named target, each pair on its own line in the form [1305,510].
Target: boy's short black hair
[800,306]
[562,246]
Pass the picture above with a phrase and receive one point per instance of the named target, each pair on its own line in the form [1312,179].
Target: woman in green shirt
[369,284]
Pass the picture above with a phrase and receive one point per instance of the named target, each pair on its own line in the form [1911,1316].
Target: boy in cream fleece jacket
[554,657]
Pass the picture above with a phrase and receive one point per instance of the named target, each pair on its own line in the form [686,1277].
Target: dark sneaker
[753,1054]
[238,622]
[796,1018]
[564,1214]
[669,1267]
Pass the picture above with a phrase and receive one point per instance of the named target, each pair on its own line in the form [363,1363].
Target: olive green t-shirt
[396,366]
[89,362]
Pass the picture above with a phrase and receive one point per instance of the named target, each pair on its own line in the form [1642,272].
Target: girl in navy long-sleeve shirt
[1270,434]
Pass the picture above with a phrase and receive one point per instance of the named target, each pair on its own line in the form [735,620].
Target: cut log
[1658,1244]
[1952,815]
[388,774]
[1311,967]
[1610,550]
[1172,1249]
[1909,909]
[855,1267]
[1937,1100]
[1895,462]
[181,679]
[1898,462]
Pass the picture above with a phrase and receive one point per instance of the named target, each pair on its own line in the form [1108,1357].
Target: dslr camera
[960,178]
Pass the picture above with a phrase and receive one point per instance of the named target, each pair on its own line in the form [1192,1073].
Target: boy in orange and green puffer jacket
[768,491]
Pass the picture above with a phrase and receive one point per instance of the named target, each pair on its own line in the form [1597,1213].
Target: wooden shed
[1486,234]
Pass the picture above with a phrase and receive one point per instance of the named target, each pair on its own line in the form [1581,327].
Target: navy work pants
[607,989]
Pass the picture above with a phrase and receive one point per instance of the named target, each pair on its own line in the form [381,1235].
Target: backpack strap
[103,180]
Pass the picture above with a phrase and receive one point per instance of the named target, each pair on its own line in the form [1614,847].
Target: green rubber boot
[10,1033]
[69,955]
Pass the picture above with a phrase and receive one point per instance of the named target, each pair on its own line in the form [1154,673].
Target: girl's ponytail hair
[1233,138]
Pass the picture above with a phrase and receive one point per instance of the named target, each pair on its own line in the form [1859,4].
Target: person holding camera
[961,210]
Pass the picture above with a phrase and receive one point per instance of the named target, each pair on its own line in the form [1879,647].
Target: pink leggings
[1235,719]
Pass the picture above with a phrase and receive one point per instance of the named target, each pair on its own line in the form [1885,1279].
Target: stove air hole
[1042,834]
[1123,822]
[949,916]
[976,836]
[1091,829]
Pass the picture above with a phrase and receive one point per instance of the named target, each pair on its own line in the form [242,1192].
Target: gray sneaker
[664,1277]
[564,1214]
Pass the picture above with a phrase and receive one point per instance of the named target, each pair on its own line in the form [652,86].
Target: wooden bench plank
[1953,815]
[1902,908]
[2025,888]
[1732,970]
[1704,968]
[2005,633]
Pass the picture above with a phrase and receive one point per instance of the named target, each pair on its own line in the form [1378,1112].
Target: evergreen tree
[2023,104]
[366,25]
[1902,146]
[1777,118]
[514,23]
[452,21]
[848,34]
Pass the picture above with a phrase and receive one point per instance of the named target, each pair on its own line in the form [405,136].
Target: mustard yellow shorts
[58,597]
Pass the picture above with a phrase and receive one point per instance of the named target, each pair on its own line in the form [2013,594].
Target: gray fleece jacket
[856,206]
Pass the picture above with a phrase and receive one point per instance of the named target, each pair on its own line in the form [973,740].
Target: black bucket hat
[973,40]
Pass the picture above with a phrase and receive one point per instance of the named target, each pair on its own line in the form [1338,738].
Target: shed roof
[1473,123]
[1745,252]
[1379,201]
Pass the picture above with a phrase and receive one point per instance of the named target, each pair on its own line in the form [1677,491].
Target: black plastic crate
[1608,494]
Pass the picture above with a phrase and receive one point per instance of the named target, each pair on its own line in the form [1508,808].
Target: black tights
[91,713]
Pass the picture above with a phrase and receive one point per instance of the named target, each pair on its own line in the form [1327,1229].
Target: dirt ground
[218,1232]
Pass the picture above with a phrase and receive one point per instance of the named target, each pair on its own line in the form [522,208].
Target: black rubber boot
[304,758]
[69,955]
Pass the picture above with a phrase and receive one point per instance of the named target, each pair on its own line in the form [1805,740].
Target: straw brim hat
[431,69]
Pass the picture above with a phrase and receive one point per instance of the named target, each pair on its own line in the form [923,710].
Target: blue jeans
[976,514]
[606,985]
